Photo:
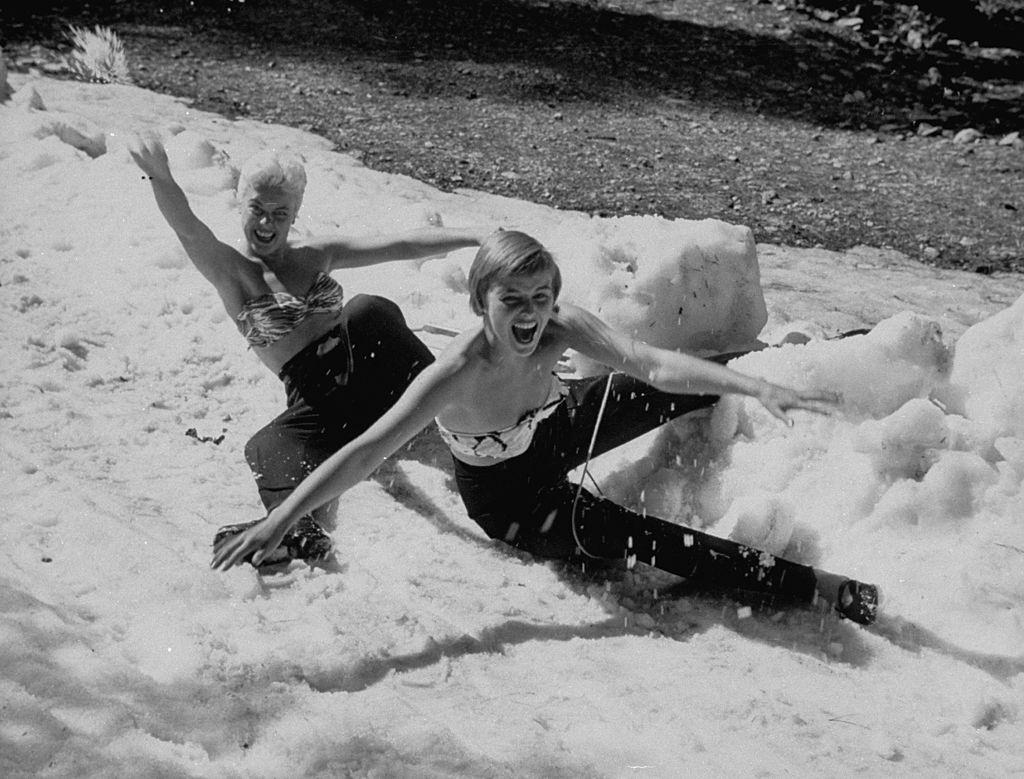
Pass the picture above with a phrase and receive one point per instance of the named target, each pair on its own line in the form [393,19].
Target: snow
[433,652]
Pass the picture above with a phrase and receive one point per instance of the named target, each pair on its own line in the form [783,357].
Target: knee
[374,312]
[374,323]
[255,445]
[268,445]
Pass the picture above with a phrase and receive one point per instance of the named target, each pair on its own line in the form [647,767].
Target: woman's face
[266,219]
[518,309]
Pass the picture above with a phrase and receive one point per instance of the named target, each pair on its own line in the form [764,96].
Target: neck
[499,355]
[272,260]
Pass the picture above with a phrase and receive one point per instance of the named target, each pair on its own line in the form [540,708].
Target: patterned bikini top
[272,315]
[510,441]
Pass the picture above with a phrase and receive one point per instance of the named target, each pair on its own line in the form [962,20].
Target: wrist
[277,519]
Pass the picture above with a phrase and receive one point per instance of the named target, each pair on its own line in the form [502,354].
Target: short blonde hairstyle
[507,253]
[267,169]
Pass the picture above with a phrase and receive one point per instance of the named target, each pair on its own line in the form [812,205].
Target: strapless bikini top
[510,441]
[271,316]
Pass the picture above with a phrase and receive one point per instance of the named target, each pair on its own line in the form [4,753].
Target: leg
[604,529]
[286,450]
[386,356]
[323,413]
[632,409]
[548,521]
[336,389]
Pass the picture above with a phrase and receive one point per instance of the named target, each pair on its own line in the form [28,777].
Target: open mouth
[524,334]
[264,236]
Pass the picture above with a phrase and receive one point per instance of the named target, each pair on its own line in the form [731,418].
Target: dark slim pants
[529,503]
[336,388]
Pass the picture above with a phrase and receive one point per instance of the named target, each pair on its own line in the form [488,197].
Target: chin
[262,249]
[524,350]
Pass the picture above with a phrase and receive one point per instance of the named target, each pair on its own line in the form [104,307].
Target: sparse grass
[98,55]
[768,114]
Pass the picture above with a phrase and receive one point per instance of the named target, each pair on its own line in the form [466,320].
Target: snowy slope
[127,397]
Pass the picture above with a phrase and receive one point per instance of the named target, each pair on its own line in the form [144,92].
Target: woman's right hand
[149,154]
[259,541]
[778,400]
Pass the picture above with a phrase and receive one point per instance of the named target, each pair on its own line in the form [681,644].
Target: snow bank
[924,459]
[127,398]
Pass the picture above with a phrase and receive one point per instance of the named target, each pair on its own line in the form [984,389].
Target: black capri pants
[529,502]
[336,388]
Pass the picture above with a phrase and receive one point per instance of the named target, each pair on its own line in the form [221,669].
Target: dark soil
[816,124]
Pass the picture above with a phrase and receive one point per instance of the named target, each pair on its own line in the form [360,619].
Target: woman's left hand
[260,540]
[778,400]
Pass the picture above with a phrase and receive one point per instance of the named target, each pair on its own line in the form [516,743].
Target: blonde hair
[508,253]
[267,169]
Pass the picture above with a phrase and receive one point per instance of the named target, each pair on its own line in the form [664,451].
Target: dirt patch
[821,124]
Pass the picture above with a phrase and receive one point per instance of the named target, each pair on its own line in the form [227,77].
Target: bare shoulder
[235,277]
[314,256]
[570,315]
[464,353]
[573,324]
[450,378]
[335,252]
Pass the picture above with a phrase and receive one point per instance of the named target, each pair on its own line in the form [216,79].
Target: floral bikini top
[271,316]
[510,441]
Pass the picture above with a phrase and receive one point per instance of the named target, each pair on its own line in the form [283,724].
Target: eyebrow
[268,206]
[504,289]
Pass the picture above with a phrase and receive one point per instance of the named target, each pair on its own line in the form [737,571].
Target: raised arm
[417,244]
[424,399]
[214,259]
[680,373]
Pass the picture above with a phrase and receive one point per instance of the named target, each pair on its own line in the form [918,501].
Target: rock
[968,135]
[1011,139]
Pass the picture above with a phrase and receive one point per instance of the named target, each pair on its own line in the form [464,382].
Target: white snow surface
[431,651]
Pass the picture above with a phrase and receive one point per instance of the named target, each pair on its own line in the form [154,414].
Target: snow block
[985,381]
[26,117]
[199,167]
[679,284]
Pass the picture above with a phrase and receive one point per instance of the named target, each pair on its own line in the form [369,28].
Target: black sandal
[857,601]
[306,541]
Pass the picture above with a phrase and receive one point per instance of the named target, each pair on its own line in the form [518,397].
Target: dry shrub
[98,55]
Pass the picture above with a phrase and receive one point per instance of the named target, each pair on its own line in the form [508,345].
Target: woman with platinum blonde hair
[516,429]
[342,363]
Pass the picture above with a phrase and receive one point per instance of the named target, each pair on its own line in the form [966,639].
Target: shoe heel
[858,602]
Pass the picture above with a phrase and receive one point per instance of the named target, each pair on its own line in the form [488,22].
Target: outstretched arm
[420,403]
[213,258]
[417,244]
[680,373]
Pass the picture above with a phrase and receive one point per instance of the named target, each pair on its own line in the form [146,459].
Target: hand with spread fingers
[778,400]
[258,542]
[149,154]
